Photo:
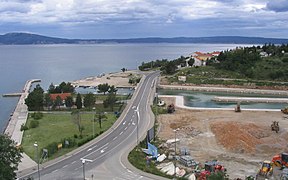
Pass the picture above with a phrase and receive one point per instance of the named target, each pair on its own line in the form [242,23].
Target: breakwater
[250,99]
[20,114]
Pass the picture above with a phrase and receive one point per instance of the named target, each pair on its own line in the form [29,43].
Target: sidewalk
[18,118]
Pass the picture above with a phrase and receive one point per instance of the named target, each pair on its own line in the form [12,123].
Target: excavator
[281,160]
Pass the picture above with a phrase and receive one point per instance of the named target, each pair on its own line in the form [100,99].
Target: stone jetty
[20,113]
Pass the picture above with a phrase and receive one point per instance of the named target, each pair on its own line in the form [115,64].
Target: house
[201,58]
[63,96]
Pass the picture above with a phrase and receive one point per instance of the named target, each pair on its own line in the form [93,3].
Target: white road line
[125,128]
[73,162]
[114,138]
[121,132]
[129,124]
[54,171]
[65,166]
[131,119]
[124,122]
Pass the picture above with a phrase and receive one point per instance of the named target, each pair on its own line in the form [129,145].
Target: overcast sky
[145,18]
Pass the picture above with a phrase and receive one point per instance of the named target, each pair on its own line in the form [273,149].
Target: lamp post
[94,121]
[36,147]
[83,162]
[175,131]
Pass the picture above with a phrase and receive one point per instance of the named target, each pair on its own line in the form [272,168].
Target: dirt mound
[239,137]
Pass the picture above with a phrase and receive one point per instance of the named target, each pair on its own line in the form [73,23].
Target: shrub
[24,127]
[37,115]
[75,136]
[34,123]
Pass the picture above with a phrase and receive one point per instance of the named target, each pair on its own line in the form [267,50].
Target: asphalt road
[105,156]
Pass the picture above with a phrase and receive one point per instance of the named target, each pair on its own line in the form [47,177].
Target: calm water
[204,99]
[57,63]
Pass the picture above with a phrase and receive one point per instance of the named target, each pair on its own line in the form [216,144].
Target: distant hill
[26,38]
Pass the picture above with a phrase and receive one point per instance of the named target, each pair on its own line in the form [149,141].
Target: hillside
[26,38]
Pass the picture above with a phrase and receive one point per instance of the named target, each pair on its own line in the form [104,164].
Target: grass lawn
[53,128]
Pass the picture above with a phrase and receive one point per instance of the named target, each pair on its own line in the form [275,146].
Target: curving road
[106,156]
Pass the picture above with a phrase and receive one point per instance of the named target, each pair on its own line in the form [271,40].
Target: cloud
[150,17]
[278,6]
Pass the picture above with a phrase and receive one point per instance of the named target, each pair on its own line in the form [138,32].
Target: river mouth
[205,99]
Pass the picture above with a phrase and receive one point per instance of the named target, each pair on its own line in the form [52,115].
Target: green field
[54,128]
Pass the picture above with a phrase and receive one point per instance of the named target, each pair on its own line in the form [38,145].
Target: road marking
[129,124]
[73,162]
[133,123]
[124,122]
[121,132]
[125,128]
[106,144]
[133,107]
[133,116]
[54,171]
[103,150]
[65,166]
[131,120]
[89,149]
[77,168]
[115,138]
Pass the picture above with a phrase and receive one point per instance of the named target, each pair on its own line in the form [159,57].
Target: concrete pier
[250,99]
[20,114]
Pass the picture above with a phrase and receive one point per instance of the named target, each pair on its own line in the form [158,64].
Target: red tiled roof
[63,96]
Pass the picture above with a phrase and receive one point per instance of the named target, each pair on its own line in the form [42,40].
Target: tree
[51,88]
[10,157]
[58,102]
[191,61]
[69,102]
[112,89]
[35,99]
[89,100]
[110,101]
[101,116]
[103,88]
[78,101]
[47,100]
[76,118]
[123,69]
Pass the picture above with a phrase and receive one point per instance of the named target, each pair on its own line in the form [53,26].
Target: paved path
[18,118]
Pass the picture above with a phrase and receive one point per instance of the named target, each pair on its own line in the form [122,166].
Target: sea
[58,63]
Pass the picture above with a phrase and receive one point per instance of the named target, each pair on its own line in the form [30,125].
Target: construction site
[243,142]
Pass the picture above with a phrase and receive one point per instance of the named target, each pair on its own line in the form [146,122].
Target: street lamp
[83,162]
[175,131]
[94,122]
[36,147]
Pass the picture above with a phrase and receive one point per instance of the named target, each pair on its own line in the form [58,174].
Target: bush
[24,127]
[37,115]
[34,123]
[75,136]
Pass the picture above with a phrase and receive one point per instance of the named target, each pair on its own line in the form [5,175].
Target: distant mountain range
[26,38]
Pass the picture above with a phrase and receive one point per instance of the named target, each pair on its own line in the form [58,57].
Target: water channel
[204,99]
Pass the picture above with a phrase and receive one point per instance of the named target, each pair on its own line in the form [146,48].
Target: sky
[104,19]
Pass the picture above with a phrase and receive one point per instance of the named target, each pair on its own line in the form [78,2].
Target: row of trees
[167,67]
[36,100]
[62,88]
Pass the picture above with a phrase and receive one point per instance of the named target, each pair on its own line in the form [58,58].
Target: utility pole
[94,122]
[138,116]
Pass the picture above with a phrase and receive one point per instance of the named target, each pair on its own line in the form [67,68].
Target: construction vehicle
[266,169]
[209,168]
[275,126]
[281,160]
[170,108]
[285,110]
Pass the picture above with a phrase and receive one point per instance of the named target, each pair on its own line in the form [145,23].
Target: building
[63,96]
[202,58]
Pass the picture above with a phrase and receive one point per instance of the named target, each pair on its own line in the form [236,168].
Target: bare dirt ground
[118,79]
[240,141]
